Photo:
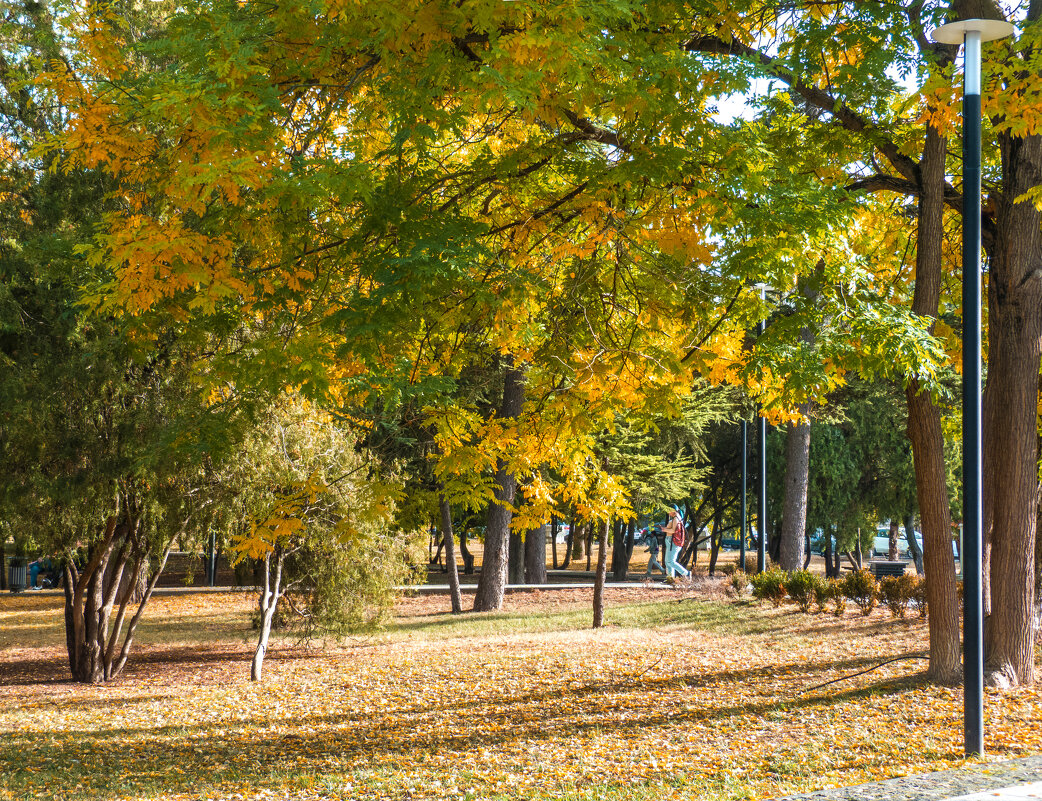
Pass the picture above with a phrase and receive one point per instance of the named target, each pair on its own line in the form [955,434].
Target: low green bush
[801,586]
[769,585]
[919,595]
[862,588]
[896,592]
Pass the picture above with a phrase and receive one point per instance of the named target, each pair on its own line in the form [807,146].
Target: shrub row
[810,591]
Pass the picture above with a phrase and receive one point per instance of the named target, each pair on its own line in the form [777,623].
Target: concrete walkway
[1014,780]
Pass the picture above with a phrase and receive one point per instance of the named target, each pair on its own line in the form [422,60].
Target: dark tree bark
[913,545]
[831,565]
[926,434]
[1010,436]
[554,528]
[598,584]
[468,557]
[492,581]
[619,555]
[569,544]
[535,556]
[895,528]
[516,559]
[455,594]
[97,646]
[806,550]
[589,544]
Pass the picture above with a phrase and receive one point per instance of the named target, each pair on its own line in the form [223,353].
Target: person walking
[675,536]
[655,540]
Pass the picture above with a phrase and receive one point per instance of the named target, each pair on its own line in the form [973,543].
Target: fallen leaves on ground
[682,695]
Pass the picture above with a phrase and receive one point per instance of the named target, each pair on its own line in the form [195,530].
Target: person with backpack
[656,542]
[675,536]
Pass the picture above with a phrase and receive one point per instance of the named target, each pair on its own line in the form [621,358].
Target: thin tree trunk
[492,581]
[598,584]
[913,545]
[268,604]
[806,550]
[554,528]
[468,557]
[589,545]
[450,555]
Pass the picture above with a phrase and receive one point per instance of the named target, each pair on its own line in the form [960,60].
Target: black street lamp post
[971,33]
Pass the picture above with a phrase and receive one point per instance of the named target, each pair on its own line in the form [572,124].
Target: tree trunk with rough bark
[516,559]
[794,503]
[895,529]
[1011,434]
[598,584]
[535,556]
[492,581]
[926,434]
[455,594]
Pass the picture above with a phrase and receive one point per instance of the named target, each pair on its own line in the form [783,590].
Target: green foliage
[896,592]
[919,595]
[739,581]
[861,587]
[824,590]
[802,586]
[769,585]
[341,588]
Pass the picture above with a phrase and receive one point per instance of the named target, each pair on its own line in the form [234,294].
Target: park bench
[882,568]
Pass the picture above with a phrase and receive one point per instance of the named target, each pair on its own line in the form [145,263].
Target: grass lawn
[683,694]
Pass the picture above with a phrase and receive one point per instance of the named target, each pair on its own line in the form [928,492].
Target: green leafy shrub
[823,592]
[739,583]
[835,594]
[769,585]
[801,585]
[919,595]
[862,588]
[896,592]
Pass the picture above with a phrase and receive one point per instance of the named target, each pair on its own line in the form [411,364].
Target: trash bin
[16,573]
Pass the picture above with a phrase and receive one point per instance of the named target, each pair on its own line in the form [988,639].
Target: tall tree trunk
[1011,436]
[492,581]
[602,571]
[589,544]
[895,528]
[516,559]
[450,555]
[535,556]
[831,568]
[619,557]
[794,503]
[926,434]
[715,539]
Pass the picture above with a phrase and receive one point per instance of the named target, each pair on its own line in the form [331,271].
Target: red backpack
[678,535]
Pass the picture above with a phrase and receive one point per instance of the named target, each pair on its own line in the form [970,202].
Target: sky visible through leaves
[682,695]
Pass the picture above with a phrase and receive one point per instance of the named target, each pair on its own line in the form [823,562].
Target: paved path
[1015,780]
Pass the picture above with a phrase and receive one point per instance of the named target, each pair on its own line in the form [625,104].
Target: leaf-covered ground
[681,695]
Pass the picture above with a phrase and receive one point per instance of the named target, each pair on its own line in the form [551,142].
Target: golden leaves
[699,700]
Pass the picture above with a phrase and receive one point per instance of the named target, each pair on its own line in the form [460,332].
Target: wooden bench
[882,568]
